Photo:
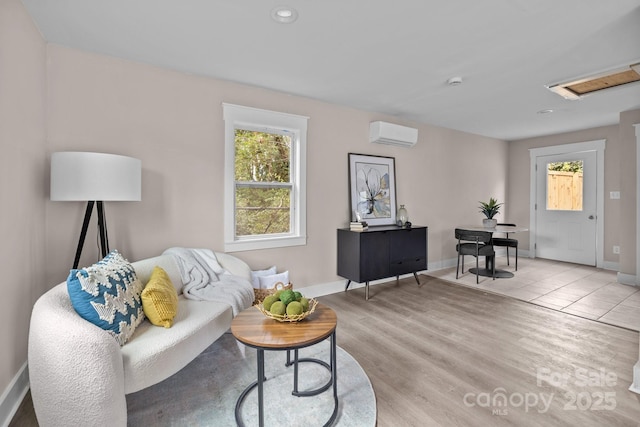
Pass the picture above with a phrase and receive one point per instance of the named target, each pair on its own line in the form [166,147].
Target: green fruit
[294,308]
[305,304]
[298,295]
[287,296]
[268,301]
[278,308]
[277,294]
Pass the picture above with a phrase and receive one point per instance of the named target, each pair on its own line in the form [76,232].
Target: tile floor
[580,290]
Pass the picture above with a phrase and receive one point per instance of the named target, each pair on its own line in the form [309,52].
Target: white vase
[489,223]
[402,216]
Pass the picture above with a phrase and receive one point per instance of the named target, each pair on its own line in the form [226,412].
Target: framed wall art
[372,189]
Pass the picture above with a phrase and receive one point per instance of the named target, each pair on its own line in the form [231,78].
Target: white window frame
[240,117]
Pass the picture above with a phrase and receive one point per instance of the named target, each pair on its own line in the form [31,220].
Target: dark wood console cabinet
[381,252]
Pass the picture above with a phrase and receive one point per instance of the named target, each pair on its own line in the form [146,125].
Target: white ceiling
[387,56]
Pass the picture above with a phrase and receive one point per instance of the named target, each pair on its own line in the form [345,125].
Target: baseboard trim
[13,395]
[627,279]
[612,266]
[635,386]
[328,288]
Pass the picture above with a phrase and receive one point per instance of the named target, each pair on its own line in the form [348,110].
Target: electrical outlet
[616,249]
[614,194]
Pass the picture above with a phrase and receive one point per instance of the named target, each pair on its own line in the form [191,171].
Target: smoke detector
[454,81]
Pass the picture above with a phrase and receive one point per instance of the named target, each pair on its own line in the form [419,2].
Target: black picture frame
[372,189]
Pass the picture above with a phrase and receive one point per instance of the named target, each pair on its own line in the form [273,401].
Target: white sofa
[79,375]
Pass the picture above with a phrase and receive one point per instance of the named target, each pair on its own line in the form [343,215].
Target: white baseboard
[13,395]
[440,265]
[635,386]
[627,279]
[448,263]
[321,289]
[328,288]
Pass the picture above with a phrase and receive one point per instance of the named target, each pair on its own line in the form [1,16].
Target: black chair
[477,244]
[508,243]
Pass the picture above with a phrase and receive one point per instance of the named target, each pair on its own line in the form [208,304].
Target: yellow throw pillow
[160,299]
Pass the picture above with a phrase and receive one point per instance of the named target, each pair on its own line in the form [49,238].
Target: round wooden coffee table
[252,328]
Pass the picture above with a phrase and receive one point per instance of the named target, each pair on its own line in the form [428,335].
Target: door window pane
[564,185]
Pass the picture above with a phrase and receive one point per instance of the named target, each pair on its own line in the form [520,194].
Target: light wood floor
[442,355]
[435,353]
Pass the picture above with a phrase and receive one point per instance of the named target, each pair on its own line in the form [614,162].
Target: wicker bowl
[286,317]
[261,294]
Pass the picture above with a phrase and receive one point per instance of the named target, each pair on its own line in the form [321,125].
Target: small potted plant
[490,209]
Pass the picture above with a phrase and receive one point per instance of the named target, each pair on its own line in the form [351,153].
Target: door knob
[591,217]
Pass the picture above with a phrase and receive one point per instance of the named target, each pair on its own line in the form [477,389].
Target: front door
[566,189]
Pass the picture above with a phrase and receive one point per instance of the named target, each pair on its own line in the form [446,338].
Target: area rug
[204,393]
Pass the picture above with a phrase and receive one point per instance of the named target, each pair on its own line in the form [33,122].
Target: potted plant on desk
[490,209]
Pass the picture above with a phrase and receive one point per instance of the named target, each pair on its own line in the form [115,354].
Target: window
[265,179]
[564,185]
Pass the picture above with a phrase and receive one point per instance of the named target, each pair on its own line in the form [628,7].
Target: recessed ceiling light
[454,81]
[547,111]
[284,14]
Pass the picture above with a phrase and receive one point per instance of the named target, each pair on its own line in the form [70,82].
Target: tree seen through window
[263,183]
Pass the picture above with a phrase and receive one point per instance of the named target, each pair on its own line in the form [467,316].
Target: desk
[501,274]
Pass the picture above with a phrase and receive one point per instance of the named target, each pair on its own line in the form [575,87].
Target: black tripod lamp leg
[102,230]
[83,232]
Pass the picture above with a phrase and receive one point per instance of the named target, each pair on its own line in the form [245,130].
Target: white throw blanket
[205,280]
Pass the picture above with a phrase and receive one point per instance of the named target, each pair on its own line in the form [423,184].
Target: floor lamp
[94,178]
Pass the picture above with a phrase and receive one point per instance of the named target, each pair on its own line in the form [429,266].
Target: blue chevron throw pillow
[107,294]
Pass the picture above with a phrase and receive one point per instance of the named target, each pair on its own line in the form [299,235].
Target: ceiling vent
[390,134]
[580,88]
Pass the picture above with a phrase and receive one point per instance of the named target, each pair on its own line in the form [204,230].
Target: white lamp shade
[81,176]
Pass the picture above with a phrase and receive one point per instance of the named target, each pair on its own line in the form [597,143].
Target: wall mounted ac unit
[391,134]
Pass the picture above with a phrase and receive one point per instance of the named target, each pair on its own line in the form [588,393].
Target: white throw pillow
[268,282]
[256,274]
